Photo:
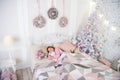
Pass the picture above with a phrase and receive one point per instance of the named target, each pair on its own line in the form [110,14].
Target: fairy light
[92,6]
[100,15]
[106,22]
[113,28]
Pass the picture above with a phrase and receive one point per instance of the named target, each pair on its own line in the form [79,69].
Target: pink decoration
[63,21]
[58,53]
[39,21]
[53,13]
[40,54]
[67,46]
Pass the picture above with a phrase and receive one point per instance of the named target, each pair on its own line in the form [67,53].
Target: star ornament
[39,21]
[53,13]
[63,21]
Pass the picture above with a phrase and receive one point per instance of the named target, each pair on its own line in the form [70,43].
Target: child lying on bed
[55,54]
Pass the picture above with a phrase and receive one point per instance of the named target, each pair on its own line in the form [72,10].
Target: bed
[75,66]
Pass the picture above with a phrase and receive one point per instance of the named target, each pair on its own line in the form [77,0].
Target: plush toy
[40,54]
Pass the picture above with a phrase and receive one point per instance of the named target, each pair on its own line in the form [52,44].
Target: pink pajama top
[56,54]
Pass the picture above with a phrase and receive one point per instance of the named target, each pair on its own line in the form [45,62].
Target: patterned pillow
[67,46]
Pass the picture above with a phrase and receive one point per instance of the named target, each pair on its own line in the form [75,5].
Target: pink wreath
[39,21]
[63,21]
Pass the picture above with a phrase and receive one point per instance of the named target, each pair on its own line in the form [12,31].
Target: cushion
[67,46]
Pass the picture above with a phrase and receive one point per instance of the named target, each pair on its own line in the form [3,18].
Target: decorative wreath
[53,13]
[39,21]
[63,21]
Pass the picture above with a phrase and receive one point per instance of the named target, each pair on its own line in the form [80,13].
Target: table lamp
[9,42]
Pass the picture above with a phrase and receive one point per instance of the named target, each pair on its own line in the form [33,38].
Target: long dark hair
[50,47]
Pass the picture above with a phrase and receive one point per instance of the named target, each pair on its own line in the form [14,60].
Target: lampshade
[9,40]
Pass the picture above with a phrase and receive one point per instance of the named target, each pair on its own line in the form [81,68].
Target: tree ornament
[39,21]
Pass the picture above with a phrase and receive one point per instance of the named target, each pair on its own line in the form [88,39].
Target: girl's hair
[50,47]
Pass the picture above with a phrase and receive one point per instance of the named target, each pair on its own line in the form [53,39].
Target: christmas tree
[88,39]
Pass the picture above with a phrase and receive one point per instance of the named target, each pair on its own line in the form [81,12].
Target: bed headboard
[50,39]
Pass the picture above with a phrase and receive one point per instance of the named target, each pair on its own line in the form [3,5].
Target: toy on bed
[40,54]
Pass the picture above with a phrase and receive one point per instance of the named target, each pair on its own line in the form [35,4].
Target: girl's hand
[51,57]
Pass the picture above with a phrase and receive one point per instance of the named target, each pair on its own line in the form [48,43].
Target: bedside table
[9,63]
[118,66]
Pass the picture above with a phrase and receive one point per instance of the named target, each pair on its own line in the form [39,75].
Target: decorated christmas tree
[88,39]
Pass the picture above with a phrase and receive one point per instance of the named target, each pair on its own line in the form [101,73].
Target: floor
[24,74]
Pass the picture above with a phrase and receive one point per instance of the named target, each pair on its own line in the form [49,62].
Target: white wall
[83,10]
[17,16]
[8,26]
[11,19]
[8,18]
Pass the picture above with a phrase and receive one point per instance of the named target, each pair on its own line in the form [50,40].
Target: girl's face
[51,49]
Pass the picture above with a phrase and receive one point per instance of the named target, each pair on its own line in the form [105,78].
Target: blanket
[75,67]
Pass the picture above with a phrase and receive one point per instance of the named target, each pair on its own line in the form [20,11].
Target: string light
[92,3]
[92,6]
[106,22]
[113,28]
[100,15]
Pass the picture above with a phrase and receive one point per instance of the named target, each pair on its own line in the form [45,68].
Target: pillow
[67,46]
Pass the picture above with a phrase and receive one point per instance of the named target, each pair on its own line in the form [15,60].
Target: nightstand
[118,66]
[9,63]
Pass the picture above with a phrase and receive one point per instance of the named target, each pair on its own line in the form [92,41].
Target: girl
[55,54]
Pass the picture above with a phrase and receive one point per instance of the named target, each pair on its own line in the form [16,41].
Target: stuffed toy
[40,54]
